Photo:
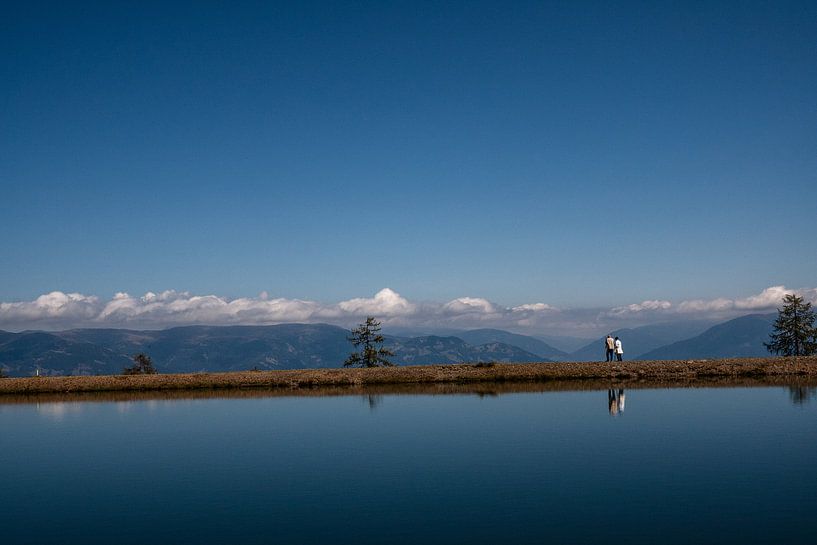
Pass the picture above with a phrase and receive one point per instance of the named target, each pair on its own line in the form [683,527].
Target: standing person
[619,349]
[610,345]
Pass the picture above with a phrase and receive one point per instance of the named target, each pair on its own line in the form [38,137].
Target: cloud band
[58,310]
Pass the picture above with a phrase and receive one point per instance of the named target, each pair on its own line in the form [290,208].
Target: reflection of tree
[374,401]
[801,394]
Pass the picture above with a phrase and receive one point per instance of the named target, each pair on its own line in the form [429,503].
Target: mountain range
[530,344]
[741,337]
[304,346]
[639,340]
[224,348]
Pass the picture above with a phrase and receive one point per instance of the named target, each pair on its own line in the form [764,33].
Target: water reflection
[521,463]
[57,411]
[54,404]
[615,401]
[801,394]
[374,401]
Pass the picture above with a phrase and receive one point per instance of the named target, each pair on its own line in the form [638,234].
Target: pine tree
[794,333]
[368,336]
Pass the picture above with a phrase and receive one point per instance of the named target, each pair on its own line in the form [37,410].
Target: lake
[687,465]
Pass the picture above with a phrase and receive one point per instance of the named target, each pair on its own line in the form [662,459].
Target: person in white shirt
[619,350]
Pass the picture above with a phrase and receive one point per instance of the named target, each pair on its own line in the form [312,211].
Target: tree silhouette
[142,365]
[794,333]
[368,337]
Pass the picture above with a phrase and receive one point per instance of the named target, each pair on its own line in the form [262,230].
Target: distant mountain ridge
[304,346]
[554,344]
[638,340]
[529,344]
[438,350]
[564,343]
[741,337]
[224,348]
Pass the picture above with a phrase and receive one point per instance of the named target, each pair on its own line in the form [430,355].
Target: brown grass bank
[629,374]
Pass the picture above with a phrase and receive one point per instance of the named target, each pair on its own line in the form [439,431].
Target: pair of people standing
[614,349]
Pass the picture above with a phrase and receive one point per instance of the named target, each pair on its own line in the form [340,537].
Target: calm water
[675,466]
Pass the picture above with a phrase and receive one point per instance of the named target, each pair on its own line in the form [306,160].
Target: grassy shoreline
[802,369]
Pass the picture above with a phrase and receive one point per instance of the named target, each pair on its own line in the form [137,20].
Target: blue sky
[575,154]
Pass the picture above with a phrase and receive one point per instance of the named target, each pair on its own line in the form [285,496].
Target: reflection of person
[612,404]
[619,349]
[615,401]
[609,344]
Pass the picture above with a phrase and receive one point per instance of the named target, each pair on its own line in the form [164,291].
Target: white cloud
[641,307]
[177,308]
[535,307]
[57,310]
[470,305]
[54,306]
[700,305]
[770,298]
[386,302]
[767,300]
[170,308]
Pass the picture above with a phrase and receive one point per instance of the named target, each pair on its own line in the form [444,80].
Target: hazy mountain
[406,332]
[223,348]
[435,350]
[564,343]
[638,340]
[529,344]
[538,345]
[23,353]
[176,350]
[299,346]
[741,337]
[228,348]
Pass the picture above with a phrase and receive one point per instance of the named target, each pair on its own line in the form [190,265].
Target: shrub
[142,365]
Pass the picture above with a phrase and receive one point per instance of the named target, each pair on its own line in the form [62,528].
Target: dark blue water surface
[675,466]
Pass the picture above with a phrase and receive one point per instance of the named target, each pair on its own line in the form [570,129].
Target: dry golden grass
[581,375]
